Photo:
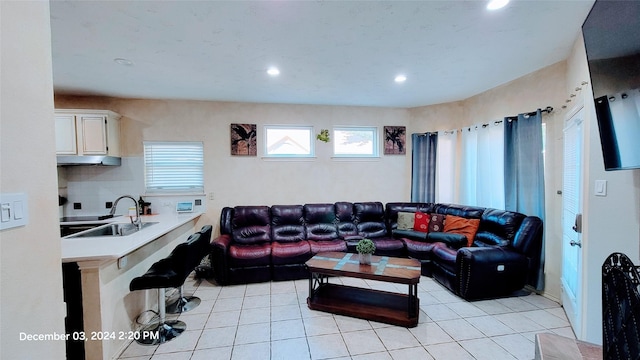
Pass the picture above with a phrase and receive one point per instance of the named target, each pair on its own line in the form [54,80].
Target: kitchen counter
[113,247]
[102,268]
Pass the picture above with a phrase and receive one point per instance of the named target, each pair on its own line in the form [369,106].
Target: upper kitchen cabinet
[87,132]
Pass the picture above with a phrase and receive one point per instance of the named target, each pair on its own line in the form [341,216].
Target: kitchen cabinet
[87,132]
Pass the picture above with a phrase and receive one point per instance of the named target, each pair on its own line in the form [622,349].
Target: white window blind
[173,167]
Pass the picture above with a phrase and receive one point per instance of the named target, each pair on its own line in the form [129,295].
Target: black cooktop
[84,218]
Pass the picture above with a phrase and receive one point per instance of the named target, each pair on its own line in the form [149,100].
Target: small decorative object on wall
[395,140]
[243,139]
[323,135]
[365,248]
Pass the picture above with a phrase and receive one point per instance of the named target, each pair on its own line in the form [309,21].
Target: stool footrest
[183,304]
[159,333]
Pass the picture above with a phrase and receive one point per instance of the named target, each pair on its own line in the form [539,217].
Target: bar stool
[198,251]
[166,273]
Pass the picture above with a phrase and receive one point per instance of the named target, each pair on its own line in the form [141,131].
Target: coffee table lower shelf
[368,304]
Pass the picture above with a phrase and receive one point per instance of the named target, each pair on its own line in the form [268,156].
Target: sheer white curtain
[446,167]
[482,168]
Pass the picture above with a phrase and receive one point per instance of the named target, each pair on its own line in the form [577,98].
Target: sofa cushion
[250,255]
[345,220]
[421,222]
[287,223]
[290,252]
[499,225]
[327,245]
[251,224]
[320,222]
[385,245]
[436,222]
[459,225]
[406,220]
[415,247]
[369,218]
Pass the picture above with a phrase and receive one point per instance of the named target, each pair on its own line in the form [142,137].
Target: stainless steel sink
[117,229]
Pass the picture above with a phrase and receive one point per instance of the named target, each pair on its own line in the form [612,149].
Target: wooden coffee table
[382,306]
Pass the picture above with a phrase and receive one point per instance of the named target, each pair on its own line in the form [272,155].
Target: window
[354,141]
[173,167]
[288,141]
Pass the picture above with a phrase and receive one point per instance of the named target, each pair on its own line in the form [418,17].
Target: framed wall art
[395,140]
[243,140]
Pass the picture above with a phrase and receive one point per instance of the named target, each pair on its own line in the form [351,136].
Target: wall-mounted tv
[612,40]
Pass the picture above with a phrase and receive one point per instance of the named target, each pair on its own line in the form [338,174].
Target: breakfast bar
[104,267]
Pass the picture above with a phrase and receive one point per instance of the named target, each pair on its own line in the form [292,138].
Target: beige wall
[239,180]
[30,270]
[611,223]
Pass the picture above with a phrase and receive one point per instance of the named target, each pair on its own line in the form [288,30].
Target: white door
[572,220]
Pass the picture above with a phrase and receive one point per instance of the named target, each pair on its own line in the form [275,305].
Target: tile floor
[272,321]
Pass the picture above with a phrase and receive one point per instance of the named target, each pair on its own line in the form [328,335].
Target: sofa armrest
[485,272]
[454,241]
[219,252]
[409,234]
[222,243]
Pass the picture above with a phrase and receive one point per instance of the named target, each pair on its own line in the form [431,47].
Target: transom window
[173,167]
[355,141]
[288,141]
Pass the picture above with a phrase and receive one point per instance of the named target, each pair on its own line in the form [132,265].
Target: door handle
[575,243]
[577,227]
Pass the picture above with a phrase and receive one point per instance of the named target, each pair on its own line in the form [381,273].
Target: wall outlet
[211,195]
[77,206]
[108,204]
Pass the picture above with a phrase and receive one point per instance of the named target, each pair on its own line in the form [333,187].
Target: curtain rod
[548,110]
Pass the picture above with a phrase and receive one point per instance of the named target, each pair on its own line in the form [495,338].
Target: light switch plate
[600,188]
[15,210]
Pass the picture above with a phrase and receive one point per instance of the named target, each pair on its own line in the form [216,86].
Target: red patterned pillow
[421,222]
[436,222]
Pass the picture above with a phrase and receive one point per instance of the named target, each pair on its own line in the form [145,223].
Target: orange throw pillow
[421,222]
[459,225]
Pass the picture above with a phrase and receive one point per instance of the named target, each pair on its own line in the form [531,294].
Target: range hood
[77,160]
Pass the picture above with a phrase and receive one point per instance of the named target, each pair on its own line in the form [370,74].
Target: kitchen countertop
[113,247]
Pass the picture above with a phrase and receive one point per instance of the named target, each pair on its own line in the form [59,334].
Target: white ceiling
[328,52]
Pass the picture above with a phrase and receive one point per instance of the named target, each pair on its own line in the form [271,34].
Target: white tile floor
[272,321]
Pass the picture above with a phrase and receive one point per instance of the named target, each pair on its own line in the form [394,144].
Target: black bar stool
[198,250]
[169,272]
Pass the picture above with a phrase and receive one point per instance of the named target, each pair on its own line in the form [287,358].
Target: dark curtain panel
[423,168]
[524,173]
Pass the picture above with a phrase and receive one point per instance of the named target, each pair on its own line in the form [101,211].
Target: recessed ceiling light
[497,4]
[122,61]
[400,79]
[273,71]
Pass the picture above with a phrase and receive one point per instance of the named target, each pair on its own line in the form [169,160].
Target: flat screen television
[612,40]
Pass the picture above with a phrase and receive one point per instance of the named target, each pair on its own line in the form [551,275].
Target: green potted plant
[365,248]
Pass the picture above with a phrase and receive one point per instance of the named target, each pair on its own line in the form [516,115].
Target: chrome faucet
[137,222]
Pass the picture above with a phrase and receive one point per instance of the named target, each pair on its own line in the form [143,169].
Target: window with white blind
[173,167]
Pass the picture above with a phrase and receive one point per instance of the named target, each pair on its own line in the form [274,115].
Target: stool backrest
[205,239]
